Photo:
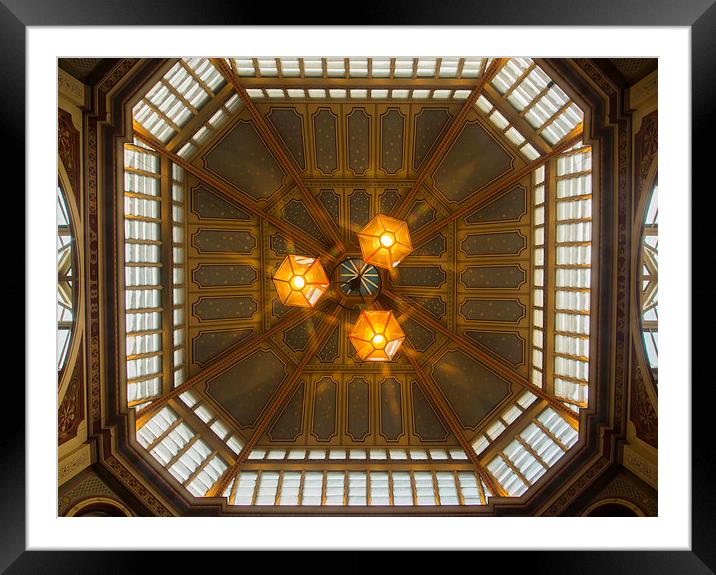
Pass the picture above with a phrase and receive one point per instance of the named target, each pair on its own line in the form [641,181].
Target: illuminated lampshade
[300,281]
[376,335]
[385,241]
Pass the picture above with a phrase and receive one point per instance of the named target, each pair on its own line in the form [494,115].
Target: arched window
[648,279]
[65,279]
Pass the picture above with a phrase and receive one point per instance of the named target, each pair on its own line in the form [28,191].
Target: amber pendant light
[376,336]
[300,281]
[385,241]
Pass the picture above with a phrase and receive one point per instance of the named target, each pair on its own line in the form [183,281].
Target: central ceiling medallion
[376,336]
[384,242]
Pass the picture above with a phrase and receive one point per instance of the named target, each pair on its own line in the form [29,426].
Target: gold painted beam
[489,193]
[278,399]
[232,194]
[224,361]
[447,139]
[494,365]
[287,162]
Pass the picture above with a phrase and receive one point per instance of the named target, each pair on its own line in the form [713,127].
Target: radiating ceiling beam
[284,392]
[234,195]
[429,388]
[447,139]
[490,362]
[493,190]
[328,226]
[224,361]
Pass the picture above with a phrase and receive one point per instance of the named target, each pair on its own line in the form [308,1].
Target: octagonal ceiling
[238,162]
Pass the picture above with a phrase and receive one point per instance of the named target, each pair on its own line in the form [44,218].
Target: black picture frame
[699,15]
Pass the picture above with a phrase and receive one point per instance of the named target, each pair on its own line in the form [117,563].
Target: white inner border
[671,530]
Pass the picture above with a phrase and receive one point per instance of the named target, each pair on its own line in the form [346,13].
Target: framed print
[362,287]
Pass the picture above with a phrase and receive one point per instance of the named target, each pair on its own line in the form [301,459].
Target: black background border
[699,15]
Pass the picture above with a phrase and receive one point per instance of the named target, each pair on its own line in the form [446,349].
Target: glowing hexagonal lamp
[376,335]
[385,241]
[300,281]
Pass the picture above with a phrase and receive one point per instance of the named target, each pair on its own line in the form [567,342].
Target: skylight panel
[472,67]
[484,104]
[255,93]
[480,444]
[426,67]
[316,93]
[381,67]
[290,488]
[420,94]
[424,489]
[245,487]
[379,94]
[469,489]
[441,94]
[267,487]
[268,67]
[312,67]
[335,67]
[357,488]
[448,67]
[337,93]
[296,93]
[461,94]
[290,67]
[359,93]
[403,68]
[379,488]
[447,489]
[358,67]
[335,487]
[402,489]
[400,93]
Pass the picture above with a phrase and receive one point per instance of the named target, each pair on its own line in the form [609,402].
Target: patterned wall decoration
[421,212]
[208,308]
[388,199]
[72,409]
[358,426]
[392,129]
[68,148]
[470,388]
[324,409]
[358,141]
[244,389]
[331,202]
[326,147]
[208,206]
[429,123]
[474,160]
[224,241]
[491,244]
[289,125]
[298,336]
[493,276]
[434,247]
[421,337]
[243,160]
[360,210]
[508,310]
[289,424]
[508,345]
[391,412]
[295,212]
[217,275]
[209,344]
[434,305]
[331,350]
[508,207]
[424,276]
[426,423]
